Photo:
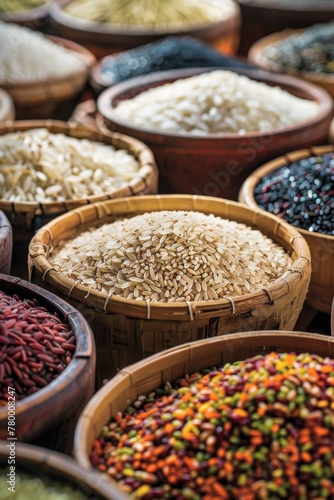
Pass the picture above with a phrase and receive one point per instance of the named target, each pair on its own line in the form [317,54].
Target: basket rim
[38,253]
[85,348]
[313,6]
[60,17]
[88,59]
[246,193]
[108,98]
[62,465]
[144,156]
[256,56]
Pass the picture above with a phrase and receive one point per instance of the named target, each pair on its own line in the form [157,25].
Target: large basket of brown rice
[153,272]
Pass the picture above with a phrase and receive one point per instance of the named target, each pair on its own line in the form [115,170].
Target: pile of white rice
[26,55]
[215,102]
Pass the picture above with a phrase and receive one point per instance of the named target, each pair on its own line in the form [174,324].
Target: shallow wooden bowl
[48,416]
[7,111]
[39,99]
[216,164]
[103,39]
[257,57]
[321,291]
[263,17]
[40,461]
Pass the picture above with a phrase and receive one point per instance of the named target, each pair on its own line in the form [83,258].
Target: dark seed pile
[35,347]
[312,51]
[169,53]
[301,193]
[262,428]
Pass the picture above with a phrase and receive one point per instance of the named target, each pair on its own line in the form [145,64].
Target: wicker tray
[39,99]
[256,56]
[128,330]
[321,290]
[48,417]
[145,376]
[39,461]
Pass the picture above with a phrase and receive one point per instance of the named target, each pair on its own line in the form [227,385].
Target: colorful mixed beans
[262,428]
[301,193]
[35,347]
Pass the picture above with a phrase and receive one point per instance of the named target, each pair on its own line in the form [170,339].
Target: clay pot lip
[109,97]
[27,16]
[59,16]
[312,6]
[85,345]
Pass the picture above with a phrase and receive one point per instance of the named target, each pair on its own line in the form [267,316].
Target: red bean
[31,346]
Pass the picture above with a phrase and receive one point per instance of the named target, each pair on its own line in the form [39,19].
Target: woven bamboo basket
[103,39]
[42,462]
[168,366]
[48,416]
[215,164]
[321,289]
[129,330]
[27,217]
[6,244]
[257,57]
[7,111]
[41,99]
[263,17]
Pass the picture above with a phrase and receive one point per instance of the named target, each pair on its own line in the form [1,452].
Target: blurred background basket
[321,291]
[263,17]
[36,18]
[41,462]
[50,97]
[145,376]
[48,416]
[103,39]
[215,164]
[127,330]
[257,57]
[27,217]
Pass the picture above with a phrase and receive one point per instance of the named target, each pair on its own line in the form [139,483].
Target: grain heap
[158,14]
[28,56]
[215,102]
[37,165]
[32,487]
[301,193]
[172,256]
[20,5]
[259,429]
[35,347]
[311,51]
